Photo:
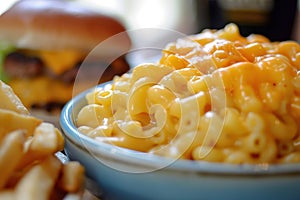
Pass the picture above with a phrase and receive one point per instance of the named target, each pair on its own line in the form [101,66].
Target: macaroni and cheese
[215,96]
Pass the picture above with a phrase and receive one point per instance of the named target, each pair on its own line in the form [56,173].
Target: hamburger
[44,42]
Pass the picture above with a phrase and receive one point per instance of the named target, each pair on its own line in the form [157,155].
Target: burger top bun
[58,24]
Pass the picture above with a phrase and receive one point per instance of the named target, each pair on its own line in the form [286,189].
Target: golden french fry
[47,138]
[11,151]
[11,121]
[72,177]
[18,173]
[44,139]
[39,181]
[30,158]
[10,101]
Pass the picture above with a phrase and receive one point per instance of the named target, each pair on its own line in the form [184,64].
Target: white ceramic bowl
[126,174]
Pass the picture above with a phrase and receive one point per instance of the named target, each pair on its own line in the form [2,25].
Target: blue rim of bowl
[136,158]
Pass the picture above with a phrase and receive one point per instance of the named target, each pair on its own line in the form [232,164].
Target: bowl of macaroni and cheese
[217,117]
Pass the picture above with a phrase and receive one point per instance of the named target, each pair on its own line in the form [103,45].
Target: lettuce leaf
[4,51]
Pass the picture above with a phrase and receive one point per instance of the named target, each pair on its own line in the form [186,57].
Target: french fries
[29,168]
[44,174]
[10,101]
[11,121]
[46,140]
[11,147]
[71,177]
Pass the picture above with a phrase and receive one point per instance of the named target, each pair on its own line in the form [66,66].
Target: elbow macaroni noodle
[216,96]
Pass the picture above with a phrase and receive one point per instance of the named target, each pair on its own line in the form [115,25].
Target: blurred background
[277,19]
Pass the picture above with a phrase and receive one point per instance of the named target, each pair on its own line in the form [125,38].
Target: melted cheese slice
[60,61]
